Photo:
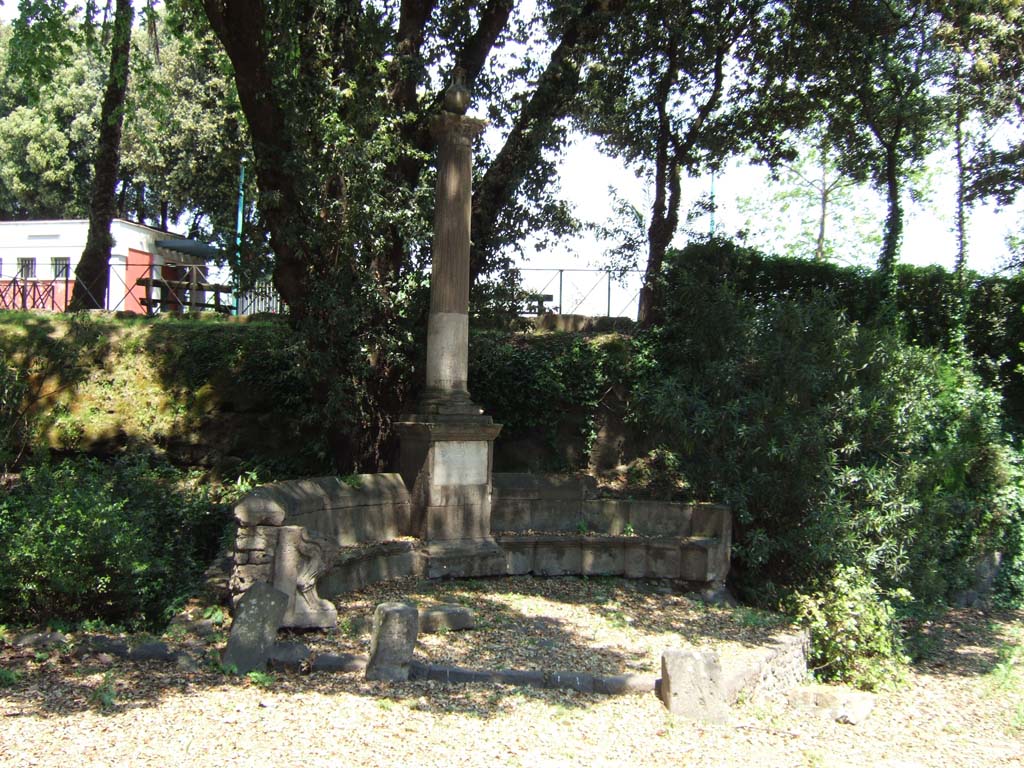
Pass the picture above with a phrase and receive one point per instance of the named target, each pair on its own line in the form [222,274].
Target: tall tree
[666,93]
[93,272]
[809,208]
[873,69]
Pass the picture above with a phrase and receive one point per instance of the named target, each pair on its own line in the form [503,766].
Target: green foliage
[656,475]
[262,679]
[8,677]
[104,695]
[537,384]
[12,421]
[837,445]
[120,542]
[854,635]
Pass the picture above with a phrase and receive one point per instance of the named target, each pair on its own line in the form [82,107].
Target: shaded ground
[964,706]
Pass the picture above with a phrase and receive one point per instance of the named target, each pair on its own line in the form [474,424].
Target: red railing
[142,288]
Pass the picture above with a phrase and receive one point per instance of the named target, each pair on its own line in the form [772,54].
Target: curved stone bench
[290,533]
[329,535]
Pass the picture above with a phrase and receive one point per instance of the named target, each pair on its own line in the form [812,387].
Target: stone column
[448,324]
[447,446]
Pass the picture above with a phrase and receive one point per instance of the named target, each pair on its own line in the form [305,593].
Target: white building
[149,269]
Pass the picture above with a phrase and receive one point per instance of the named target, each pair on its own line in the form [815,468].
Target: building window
[26,268]
[61,267]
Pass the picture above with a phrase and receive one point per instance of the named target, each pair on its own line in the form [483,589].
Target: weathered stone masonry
[326,536]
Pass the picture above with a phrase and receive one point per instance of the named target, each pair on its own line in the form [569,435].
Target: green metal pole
[238,225]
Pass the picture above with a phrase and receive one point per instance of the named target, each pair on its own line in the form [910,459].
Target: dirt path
[963,707]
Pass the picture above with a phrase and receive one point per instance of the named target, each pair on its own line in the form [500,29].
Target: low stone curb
[583,682]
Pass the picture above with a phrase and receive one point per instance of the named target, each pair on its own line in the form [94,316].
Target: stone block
[518,554]
[512,514]
[557,514]
[446,618]
[155,651]
[254,628]
[395,626]
[663,559]
[557,556]
[243,577]
[606,515]
[839,704]
[351,526]
[693,562]
[261,506]
[691,685]
[343,662]
[40,640]
[506,486]
[273,504]
[453,523]
[659,518]
[263,537]
[624,685]
[565,487]
[710,520]
[344,577]
[474,496]
[288,657]
[635,559]
[602,557]
[97,644]
[465,559]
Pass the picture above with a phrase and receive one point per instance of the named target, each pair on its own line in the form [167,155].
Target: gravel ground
[963,707]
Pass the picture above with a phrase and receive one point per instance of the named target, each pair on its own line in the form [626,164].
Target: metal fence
[142,288]
[175,288]
[593,292]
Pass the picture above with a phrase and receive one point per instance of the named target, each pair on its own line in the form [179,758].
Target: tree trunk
[92,275]
[893,225]
[819,248]
[241,26]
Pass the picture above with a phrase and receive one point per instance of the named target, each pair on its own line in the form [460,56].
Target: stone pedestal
[446,464]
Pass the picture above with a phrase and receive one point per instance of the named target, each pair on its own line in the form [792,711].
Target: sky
[586,174]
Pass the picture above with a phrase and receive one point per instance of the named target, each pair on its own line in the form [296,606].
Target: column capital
[456,129]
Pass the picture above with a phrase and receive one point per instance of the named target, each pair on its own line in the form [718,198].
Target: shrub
[86,540]
[837,445]
[12,425]
[854,634]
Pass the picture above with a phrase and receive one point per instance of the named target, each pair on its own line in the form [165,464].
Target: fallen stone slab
[839,704]
[446,618]
[338,662]
[691,684]
[395,626]
[155,651]
[100,644]
[288,657]
[41,640]
[186,662]
[257,618]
